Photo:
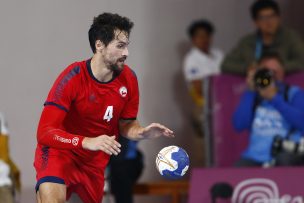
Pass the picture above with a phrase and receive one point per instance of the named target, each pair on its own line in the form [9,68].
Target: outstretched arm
[133,130]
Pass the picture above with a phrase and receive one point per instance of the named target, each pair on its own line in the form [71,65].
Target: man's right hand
[104,143]
[250,76]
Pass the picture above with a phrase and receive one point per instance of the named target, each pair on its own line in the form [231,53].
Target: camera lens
[263,78]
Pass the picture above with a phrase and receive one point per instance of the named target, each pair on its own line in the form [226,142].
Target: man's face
[116,53]
[268,21]
[202,40]
[275,66]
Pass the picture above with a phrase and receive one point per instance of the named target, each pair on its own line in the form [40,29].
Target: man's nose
[125,52]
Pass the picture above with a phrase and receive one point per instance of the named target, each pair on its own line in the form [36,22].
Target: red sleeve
[131,108]
[64,89]
[50,131]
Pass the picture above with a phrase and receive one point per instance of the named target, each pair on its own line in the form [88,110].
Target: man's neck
[99,69]
[268,38]
[204,50]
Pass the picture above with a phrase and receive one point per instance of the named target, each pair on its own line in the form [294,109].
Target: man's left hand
[155,130]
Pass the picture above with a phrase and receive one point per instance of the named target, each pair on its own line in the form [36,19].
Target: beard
[115,68]
[118,65]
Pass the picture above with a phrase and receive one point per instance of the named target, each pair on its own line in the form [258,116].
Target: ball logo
[75,141]
[260,190]
[123,91]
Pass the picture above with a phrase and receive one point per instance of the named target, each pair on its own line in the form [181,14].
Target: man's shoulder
[128,73]
[71,73]
[76,67]
[190,54]
[293,90]
[248,39]
[289,33]
[193,55]
[217,52]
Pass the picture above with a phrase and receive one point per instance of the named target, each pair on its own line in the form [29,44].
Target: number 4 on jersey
[108,114]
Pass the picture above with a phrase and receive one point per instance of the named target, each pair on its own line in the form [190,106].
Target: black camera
[280,144]
[263,78]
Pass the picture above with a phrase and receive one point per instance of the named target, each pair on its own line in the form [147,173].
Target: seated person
[270,36]
[203,60]
[9,173]
[269,109]
[125,170]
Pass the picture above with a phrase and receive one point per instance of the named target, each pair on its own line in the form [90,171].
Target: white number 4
[108,114]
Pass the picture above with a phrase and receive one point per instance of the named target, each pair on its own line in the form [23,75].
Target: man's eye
[120,46]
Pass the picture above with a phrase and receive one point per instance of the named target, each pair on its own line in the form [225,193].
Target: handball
[172,162]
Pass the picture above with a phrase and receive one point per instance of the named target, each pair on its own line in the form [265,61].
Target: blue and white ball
[172,162]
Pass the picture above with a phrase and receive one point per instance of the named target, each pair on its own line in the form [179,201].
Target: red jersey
[79,106]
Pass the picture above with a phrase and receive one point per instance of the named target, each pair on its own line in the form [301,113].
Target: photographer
[270,109]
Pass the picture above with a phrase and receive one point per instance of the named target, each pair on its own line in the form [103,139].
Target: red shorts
[65,167]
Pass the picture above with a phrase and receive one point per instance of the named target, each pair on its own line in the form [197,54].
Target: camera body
[263,78]
[281,144]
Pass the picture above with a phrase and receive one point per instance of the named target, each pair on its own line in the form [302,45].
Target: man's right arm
[242,117]
[194,74]
[234,62]
[50,132]
[295,61]
[196,92]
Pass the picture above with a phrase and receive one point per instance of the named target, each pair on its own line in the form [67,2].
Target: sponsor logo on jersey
[62,139]
[123,91]
[75,141]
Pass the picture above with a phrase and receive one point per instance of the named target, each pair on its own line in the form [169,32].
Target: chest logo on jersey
[123,91]
[75,141]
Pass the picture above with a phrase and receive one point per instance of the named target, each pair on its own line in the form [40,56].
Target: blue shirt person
[276,110]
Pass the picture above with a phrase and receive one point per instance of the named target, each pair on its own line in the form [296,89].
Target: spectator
[267,112]
[125,169]
[9,173]
[202,61]
[270,36]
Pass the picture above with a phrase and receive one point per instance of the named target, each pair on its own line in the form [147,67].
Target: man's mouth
[122,60]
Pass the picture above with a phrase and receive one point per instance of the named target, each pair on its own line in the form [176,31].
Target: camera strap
[258,47]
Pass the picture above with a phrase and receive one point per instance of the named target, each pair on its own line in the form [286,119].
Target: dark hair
[271,55]
[200,24]
[259,5]
[104,26]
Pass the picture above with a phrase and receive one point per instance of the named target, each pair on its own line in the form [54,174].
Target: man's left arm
[292,111]
[134,131]
[129,125]
[295,62]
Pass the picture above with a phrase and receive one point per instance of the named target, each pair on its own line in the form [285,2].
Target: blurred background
[40,38]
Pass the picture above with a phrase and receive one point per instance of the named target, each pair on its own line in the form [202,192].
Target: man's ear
[99,46]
